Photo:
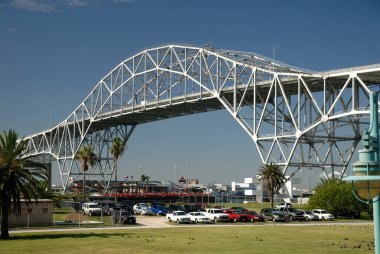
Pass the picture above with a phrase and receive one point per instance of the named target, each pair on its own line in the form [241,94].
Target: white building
[251,187]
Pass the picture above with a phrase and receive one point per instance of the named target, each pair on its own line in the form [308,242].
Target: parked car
[173,208]
[127,206]
[354,214]
[194,208]
[178,216]
[294,214]
[236,215]
[309,215]
[283,204]
[242,209]
[274,214]
[323,214]
[199,217]
[108,207]
[123,217]
[159,209]
[142,208]
[254,216]
[91,209]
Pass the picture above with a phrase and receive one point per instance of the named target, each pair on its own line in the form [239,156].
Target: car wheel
[89,214]
[307,218]
[252,220]
[169,219]
[177,221]
[214,219]
[235,220]
[273,219]
[323,218]
[290,218]
[196,221]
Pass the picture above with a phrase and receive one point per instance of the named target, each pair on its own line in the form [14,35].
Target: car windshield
[181,213]
[125,213]
[237,212]
[293,210]
[111,205]
[253,212]
[144,206]
[197,214]
[93,205]
[324,211]
[308,212]
[218,211]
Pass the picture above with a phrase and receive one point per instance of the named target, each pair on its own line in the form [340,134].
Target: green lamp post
[366,172]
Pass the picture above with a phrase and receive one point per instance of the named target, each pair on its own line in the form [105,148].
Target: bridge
[297,118]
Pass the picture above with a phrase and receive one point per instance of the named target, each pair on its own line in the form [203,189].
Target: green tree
[273,179]
[19,177]
[335,196]
[87,157]
[117,150]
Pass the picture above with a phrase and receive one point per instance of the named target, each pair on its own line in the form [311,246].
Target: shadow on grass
[61,235]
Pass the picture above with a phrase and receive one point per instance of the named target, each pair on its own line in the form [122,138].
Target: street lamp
[366,172]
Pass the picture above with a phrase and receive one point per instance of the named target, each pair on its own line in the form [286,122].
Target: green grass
[253,239]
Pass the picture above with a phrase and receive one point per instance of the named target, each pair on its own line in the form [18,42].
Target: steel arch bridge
[296,118]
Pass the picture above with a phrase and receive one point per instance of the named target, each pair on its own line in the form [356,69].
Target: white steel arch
[297,118]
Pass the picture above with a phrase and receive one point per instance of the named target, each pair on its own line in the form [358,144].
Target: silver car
[309,215]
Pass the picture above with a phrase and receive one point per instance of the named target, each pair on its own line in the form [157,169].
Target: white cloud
[124,1]
[33,5]
[78,3]
[55,5]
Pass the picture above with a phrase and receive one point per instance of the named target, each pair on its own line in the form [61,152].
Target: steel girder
[297,118]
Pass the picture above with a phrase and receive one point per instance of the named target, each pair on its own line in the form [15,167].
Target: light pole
[366,172]
[274,53]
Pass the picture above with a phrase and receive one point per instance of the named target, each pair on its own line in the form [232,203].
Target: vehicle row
[282,212]
[290,214]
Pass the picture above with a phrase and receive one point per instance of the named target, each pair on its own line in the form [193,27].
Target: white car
[199,217]
[283,205]
[323,214]
[91,209]
[178,216]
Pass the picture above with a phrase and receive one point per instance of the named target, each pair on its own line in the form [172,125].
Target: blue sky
[53,52]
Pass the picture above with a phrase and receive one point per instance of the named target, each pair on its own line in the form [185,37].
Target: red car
[254,216]
[236,215]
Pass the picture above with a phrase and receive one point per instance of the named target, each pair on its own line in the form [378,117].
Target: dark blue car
[159,209]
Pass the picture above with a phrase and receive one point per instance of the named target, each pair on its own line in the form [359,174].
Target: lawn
[253,239]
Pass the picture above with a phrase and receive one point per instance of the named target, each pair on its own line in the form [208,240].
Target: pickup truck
[178,216]
[216,214]
[236,215]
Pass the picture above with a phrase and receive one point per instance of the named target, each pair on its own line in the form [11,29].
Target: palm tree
[117,150]
[145,179]
[87,157]
[19,177]
[273,179]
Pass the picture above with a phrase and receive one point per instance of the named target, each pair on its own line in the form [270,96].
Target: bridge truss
[296,118]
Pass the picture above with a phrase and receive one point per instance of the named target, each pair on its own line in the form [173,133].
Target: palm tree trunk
[271,197]
[115,166]
[84,185]
[4,215]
